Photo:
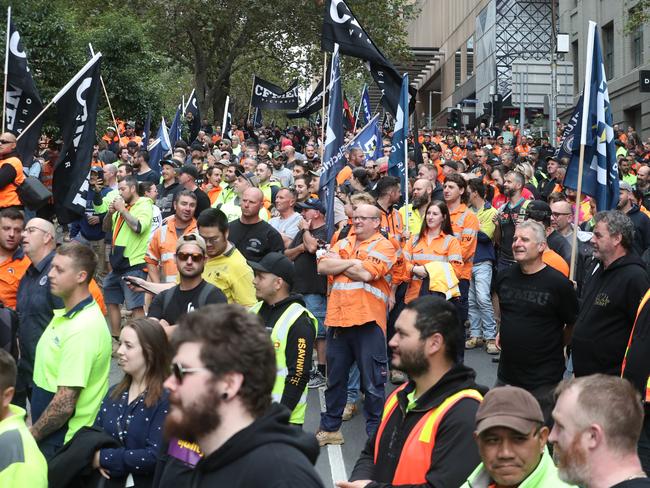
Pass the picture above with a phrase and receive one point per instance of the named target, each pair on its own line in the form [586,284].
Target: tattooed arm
[57,413]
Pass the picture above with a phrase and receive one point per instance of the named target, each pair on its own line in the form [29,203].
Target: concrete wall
[629,105]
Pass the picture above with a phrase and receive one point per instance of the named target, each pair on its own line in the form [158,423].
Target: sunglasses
[195,256]
[179,371]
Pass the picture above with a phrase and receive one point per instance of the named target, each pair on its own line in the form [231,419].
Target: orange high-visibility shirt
[465,225]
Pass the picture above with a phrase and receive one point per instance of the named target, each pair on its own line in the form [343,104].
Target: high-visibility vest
[9,194]
[279,336]
[645,299]
[415,458]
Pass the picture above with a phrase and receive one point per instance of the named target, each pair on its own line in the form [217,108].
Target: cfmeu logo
[15,47]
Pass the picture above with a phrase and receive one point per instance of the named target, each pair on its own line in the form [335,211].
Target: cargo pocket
[379,370]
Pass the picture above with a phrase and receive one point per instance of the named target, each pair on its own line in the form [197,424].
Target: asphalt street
[336,462]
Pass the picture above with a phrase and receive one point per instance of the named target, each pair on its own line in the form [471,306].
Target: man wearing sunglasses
[223,373]
[192,292]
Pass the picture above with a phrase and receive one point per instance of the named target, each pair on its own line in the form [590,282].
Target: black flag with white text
[77,112]
[315,102]
[22,103]
[341,27]
[193,126]
[268,96]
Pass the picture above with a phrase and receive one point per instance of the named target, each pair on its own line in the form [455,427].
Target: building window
[457,66]
[608,49]
[637,44]
[576,66]
[469,48]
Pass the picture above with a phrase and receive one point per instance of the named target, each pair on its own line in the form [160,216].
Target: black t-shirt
[509,218]
[182,302]
[307,280]
[202,201]
[534,310]
[254,241]
[166,198]
[150,175]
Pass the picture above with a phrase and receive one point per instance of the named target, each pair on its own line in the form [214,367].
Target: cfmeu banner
[268,96]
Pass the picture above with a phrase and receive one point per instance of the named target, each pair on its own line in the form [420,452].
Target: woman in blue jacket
[134,410]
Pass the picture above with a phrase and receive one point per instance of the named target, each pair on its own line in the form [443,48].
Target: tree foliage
[157,50]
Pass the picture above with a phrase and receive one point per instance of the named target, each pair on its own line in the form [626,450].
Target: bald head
[366,220]
[42,224]
[38,239]
[8,143]
[251,203]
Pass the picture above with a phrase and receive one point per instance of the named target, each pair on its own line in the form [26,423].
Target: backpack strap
[204,294]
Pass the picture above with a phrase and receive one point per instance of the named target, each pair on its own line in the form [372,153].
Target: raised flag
[333,157]
[257,118]
[22,101]
[315,102]
[365,112]
[565,148]
[397,161]
[146,133]
[194,125]
[348,121]
[272,97]
[599,168]
[175,128]
[368,139]
[76,107]
[159,147]
[342,27]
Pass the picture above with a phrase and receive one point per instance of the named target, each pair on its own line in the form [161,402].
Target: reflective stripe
[445,244]
[163,233]
[429,257]
[381,257]
[469,231]
[359,285]
[455,257]
[461,219]
[407,255]
[170,279]
[167,256]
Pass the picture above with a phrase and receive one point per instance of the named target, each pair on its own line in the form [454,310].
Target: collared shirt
[35,309]
[11,272]
[74,351]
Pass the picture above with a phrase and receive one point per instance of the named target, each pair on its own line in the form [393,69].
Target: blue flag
[364,112]
[146,133]
[175,129]
[368,139]
[600,171]
[397,161]
[565,148]
[160,147]
[333,157]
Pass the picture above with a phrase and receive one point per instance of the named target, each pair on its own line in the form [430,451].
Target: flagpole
[4,96]
[406,168]
[225,117]
[92,53]
[356,119]
[189,100]
[250,103]
[583,136]
[61,92]
[322,119]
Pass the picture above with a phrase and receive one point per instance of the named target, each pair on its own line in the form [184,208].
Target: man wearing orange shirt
[13,261]
[356,320]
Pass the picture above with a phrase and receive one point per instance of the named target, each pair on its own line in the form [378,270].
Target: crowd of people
[216,263]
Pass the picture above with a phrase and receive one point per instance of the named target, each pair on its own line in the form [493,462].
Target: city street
[336,462]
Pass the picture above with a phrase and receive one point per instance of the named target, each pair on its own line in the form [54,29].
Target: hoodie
[455,454]
[610,300]
[268,453]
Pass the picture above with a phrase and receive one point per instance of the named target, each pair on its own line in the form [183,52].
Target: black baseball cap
[191,170]
[539,211]
[169,162]
[277,264]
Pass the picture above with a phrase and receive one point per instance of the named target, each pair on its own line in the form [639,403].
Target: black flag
[272,97]
[257,119]
[195,125]
[341,26]
[315,102]
[23,102]
[77,112]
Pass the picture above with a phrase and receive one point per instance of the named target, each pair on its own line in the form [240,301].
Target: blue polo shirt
[35,307]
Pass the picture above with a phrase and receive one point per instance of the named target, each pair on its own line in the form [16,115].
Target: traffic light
[454,119]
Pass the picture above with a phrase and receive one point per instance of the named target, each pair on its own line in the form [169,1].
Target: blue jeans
[481,313]
[365,344]
[317,305]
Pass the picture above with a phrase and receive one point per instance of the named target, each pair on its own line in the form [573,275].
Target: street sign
[644,80]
